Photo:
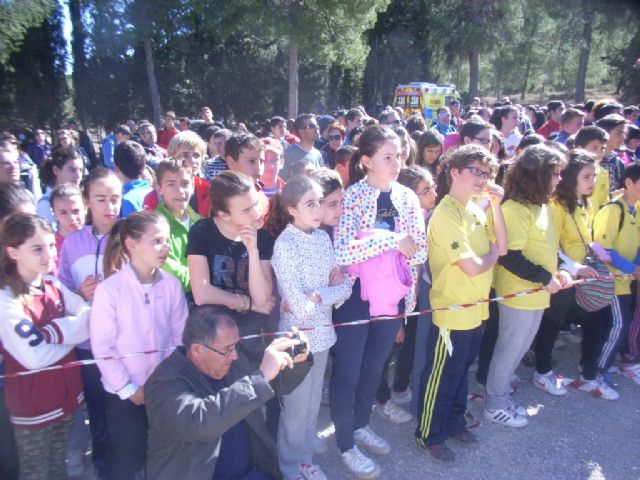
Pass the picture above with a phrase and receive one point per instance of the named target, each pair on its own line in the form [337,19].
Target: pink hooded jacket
[384,279]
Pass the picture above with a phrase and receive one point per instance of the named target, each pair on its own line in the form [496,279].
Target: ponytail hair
[133,226]
[357,171]
[279,216]
[16,230]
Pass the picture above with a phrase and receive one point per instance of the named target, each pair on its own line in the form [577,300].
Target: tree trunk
[527,71]
[293,80]
[153,82]
[473,74]
[78,40]
[585,48]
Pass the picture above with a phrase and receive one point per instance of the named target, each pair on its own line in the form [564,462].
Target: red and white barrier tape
[79,363]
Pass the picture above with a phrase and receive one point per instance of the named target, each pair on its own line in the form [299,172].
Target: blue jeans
[360,354]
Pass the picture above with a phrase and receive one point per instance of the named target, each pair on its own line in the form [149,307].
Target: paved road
[576,437]
[571,437]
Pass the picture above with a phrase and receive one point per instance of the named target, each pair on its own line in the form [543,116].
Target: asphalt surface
[575,437]
[571,437]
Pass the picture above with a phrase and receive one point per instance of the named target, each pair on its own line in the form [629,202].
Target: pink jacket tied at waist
[384,279]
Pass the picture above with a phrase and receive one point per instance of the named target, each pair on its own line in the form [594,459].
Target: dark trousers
[553,319]
[403,366]
[563,306]
[488,343]
[128,425]
[360,353]
[618,317]
[633,353]
[8,449]
[444,384]
[94,398]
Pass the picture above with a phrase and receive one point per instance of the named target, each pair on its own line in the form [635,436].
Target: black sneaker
[466,439]
[441,452]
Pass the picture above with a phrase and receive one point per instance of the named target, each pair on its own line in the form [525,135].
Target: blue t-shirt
[133,194]
[386,213]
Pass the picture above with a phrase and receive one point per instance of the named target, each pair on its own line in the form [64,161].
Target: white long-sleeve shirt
[302,263]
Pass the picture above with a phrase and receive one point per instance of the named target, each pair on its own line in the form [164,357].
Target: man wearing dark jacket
[203,403]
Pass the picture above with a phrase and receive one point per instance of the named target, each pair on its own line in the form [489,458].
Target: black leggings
[563,306]
[404,363]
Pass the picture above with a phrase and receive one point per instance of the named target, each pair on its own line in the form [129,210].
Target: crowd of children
[374,218]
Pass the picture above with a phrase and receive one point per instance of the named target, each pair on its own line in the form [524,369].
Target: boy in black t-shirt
[229,257]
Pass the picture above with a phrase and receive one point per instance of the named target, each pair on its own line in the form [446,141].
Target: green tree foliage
[33,82]
[235,56]
[16,18]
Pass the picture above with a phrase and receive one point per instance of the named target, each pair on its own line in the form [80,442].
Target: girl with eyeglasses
[476,131]
[137,308]
[463,250]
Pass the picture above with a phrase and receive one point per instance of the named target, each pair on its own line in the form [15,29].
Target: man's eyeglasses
[477,172]
[484,141]
[226,353]
[335,137]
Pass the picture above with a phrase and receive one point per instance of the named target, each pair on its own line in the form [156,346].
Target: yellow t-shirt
[530,229]
[572,242]
[457,232]
[625,241]
[600,194]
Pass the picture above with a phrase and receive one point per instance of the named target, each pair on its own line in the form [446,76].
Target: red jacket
[549,127]
[200,201]
[165,136]
[37,336]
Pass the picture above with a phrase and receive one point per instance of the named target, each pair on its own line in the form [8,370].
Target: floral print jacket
[360,208]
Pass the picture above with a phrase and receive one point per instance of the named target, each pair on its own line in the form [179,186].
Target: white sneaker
[550,383]
[597,387]
[401,397]
[373,443]
[360,465]
[311,472]
[519,409]
[506,417]
[631,371]
[392,412]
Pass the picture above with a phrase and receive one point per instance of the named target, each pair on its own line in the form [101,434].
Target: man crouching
[203,403]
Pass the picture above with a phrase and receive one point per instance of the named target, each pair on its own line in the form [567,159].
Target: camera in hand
[298,349]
